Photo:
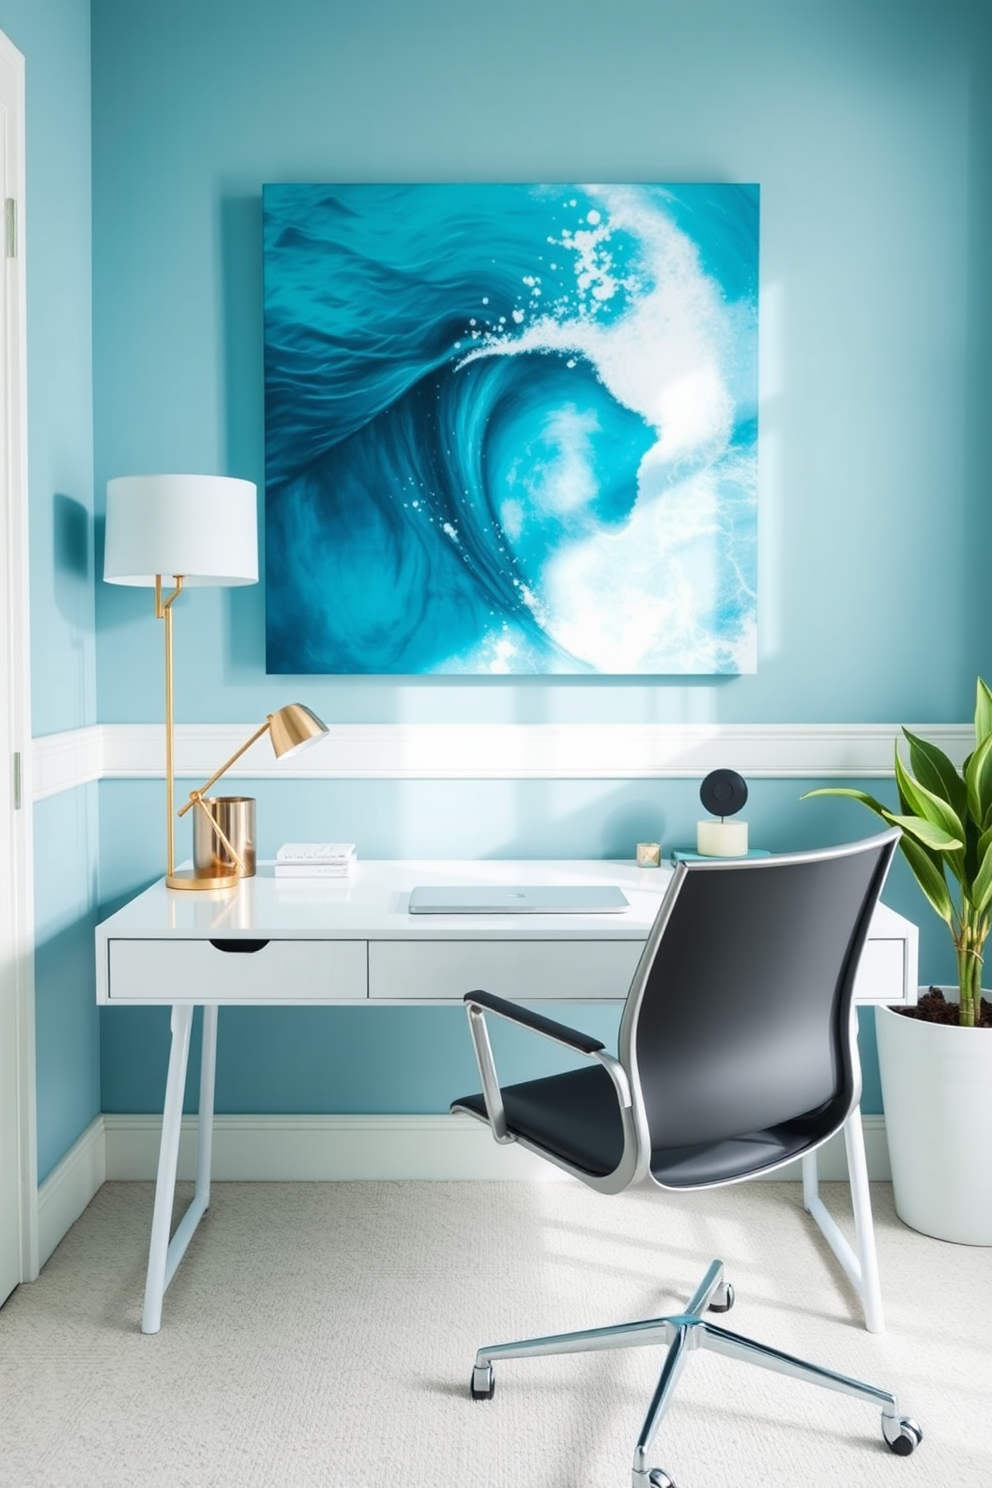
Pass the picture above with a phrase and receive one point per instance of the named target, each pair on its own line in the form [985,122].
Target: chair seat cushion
[740,1156]
[574,1116]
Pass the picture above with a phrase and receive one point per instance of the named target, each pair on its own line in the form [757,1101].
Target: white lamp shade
[204,527]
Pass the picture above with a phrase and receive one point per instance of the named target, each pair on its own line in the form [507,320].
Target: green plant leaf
[929,876]
[926,832]
[981,890]
[978,779]
[923,803]
[983,712]
[936,772]
[929,833]
[854,795]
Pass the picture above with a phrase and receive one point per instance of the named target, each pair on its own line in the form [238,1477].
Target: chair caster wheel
[902,1434]
[483,1382]
[724,1298]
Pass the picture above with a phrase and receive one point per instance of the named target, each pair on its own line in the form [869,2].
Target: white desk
[352,942]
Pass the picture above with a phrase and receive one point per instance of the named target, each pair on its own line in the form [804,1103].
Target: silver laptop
[519,899]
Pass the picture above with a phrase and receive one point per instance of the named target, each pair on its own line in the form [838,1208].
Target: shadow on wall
[71,529]
[71,560]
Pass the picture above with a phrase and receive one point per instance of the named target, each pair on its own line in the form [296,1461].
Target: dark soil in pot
[934,1007]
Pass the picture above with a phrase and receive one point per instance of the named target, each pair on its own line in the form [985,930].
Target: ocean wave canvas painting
[511,429]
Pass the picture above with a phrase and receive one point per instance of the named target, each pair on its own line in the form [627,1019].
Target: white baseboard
[328,1149]
[70,1186]
[325,1148]
[833,1159]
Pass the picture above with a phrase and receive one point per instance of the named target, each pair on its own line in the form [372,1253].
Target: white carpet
[323,1334]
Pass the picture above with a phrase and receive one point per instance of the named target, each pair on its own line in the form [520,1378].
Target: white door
[18,1202]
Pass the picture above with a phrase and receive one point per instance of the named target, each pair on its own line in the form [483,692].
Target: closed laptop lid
[518,899]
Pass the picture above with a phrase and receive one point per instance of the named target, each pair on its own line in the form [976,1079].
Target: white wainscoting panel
[62,761]
[505,751]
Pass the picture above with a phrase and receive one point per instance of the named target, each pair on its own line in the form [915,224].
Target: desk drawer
[568,970]
[282,971]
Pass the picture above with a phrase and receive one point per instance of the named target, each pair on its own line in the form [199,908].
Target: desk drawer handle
[246,947]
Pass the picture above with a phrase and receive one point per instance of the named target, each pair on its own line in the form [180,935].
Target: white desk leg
[205,1123]
[864,1227]
[165,1254]
[168,1158]
[860,1266]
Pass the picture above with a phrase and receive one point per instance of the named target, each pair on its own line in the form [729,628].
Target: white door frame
[16,799]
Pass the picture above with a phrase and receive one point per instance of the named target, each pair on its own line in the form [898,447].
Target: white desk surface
[374,949]
[372,904]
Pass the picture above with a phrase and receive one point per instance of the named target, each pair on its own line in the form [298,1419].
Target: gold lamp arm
[194,796]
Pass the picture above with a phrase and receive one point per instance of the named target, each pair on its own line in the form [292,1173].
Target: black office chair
[736,1054]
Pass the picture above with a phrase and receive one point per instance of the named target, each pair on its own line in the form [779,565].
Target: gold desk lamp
[198,531]
[290,729]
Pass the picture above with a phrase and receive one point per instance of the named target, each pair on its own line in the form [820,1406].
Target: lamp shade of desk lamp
[195,531]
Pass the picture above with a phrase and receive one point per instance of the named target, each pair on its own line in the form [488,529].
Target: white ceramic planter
[937,1093]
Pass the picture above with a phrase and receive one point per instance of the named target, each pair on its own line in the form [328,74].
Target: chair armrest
[477,1004]
[572,1038]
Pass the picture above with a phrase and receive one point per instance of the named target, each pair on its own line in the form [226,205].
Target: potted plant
[935,1059]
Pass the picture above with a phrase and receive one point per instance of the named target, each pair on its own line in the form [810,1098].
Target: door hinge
[10,227]
[17,780]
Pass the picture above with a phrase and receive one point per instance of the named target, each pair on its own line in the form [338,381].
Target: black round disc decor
[723,792]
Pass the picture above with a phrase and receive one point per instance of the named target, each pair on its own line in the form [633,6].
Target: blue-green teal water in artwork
[511,428]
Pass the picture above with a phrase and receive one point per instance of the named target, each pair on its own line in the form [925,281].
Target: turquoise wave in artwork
[511,429]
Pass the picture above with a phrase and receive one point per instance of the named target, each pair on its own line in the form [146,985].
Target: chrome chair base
[683,1332]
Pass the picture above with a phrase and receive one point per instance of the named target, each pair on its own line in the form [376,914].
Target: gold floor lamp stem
[163,610]
[187,879]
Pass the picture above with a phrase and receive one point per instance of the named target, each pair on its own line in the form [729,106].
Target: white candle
[721,839]
[649,855]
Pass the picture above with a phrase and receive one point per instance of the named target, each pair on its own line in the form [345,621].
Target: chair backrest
[739,1015]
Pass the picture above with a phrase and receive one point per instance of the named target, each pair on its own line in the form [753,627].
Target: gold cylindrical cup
[235,815]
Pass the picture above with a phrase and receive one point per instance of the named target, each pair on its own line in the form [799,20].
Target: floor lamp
[195,531]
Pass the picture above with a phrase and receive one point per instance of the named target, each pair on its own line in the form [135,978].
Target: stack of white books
[315,860]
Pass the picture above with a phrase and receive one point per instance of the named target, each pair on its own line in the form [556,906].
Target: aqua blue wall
[863,121]
[855,116]
[55,40]
[866,123]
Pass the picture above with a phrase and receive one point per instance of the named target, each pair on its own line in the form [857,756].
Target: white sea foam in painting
[643,598]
